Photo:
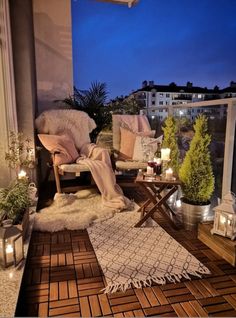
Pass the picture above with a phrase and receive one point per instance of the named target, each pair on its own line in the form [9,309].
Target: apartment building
[158,98]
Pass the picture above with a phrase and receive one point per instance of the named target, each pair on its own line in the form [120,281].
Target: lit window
[199,96]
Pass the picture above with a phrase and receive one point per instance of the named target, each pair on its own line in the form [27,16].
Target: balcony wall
[53,50]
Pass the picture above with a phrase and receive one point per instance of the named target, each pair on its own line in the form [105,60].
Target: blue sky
[161,40]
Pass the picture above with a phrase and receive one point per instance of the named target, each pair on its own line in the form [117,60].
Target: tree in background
[170,141]
[92,101]
[125,105]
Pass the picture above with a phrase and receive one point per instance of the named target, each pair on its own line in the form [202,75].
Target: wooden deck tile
[63,290]
[159,310]
[160,296]
[85,308]
[95,306]
[54,292]
[126,307]
[198,308]
[72,289]
[151,296]
[179,310]
[64,311]
[123,300]
[63,303]
[104,304]
[43,310]
[142,298]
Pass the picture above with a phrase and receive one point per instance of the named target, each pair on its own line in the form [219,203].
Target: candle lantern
[165,154]
[225,217]
[22,175]
[11,244]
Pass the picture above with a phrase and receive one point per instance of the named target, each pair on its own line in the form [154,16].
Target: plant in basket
[14,204]
[197,177]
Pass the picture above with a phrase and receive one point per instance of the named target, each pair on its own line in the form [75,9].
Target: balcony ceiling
[130,3]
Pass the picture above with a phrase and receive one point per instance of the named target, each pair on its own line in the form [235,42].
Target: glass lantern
[225,217]
[11,244]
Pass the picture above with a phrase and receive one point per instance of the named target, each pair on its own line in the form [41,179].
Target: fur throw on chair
[75,123]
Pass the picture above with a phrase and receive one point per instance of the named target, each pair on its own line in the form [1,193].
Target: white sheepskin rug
[73,212]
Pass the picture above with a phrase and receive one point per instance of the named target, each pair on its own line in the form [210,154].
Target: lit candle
[150,170]
[9,249]
[165,154]
[169,174]
[22,174]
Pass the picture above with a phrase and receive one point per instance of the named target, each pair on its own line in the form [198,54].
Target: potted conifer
[170,141]
[197,176]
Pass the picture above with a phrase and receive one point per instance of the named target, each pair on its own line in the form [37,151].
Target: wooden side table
[158,191]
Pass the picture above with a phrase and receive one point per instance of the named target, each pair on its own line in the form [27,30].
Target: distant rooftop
[188,88]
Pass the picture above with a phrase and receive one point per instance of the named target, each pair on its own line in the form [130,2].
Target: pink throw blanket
[97,159]
[135,123]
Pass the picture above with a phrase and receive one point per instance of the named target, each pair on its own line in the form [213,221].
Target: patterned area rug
[139,256]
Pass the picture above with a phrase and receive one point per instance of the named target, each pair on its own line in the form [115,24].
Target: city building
[159,98]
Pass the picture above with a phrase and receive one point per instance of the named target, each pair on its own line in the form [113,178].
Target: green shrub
[170,141]
[196,172]
[14,200]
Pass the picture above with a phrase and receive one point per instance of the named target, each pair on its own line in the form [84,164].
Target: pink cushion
[127,141]
[62,144]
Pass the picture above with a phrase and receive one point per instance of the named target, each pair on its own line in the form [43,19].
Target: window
[161,94]
[167,95]
[161,103]
[153,102]
[153,94]
[199,96]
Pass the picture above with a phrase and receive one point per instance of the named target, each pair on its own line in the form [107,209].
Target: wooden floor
[63,277]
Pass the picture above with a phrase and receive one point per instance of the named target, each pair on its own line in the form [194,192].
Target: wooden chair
[119,121]
[73,169]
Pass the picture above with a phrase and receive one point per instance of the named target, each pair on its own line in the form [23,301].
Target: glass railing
[221,116]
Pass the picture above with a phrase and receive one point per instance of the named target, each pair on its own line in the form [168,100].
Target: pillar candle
[165,154]
[150,170]
[169,174]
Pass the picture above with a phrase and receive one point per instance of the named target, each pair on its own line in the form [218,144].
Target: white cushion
[143,146]
[75,168]
[130,165]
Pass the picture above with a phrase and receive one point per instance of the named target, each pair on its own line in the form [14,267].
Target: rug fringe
[161,280]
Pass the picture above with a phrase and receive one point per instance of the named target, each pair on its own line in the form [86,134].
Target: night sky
[161,40]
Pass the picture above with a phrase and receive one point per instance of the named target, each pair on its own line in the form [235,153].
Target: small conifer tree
[170,141]
[196,172]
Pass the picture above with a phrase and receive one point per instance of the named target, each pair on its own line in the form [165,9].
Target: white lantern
[11,245]
[225,217]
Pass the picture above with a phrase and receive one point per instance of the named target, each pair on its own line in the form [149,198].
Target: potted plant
[20,153]
[14,204]
[170,141]
[197,177]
